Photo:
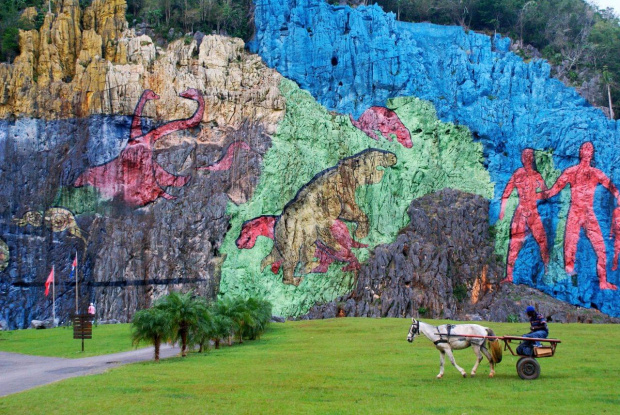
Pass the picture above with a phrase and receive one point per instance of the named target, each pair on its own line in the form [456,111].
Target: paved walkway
[20,372]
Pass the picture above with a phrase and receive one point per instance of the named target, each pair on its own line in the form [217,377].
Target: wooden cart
[528,367]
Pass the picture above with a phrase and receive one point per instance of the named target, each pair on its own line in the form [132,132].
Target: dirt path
[21,372]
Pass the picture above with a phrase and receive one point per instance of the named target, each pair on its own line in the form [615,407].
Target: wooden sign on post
[83,327]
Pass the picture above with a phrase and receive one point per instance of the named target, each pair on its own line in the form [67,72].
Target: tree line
[190,321]
[10,23]
[231,17]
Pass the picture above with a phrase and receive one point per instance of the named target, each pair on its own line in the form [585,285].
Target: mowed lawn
[346,366]
[59,342]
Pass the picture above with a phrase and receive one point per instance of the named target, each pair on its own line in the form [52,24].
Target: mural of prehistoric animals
[134,176]
[553,239]
[288,191]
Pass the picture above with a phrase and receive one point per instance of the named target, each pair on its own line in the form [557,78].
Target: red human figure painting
[583,180]
[134,176]
[615,233]
[265,225]
[384,121]
[526,218]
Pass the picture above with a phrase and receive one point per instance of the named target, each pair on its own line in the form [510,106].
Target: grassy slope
[112,338]
[346,366]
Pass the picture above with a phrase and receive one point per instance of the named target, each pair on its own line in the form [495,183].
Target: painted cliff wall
[552,158]
[310,176]
[314,216]
[128,160]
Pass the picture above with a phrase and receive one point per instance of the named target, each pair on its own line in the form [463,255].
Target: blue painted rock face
[355,59]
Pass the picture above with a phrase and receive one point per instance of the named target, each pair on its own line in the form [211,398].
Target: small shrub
[512,318]
[460,292]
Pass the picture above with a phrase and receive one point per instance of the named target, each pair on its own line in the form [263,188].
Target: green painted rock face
[311,143]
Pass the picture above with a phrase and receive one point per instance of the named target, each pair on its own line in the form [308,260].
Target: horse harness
[449,328]
[416,327]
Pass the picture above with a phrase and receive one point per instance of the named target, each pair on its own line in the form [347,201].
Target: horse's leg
[490,359]
[451,357]
[442,360]
[478,360]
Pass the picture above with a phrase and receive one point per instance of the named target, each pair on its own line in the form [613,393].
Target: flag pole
[53,296]
[76,284]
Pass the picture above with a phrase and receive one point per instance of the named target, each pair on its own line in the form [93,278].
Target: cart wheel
[528,368]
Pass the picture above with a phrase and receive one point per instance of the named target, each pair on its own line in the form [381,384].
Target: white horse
[446,338]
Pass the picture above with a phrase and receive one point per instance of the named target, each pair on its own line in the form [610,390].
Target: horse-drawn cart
[528,367]
[448,337]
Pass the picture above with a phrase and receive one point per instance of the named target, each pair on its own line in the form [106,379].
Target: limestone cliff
[86,63]
[77,98]
[536,132]
[199,167]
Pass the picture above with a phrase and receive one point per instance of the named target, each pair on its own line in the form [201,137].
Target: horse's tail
[494,347]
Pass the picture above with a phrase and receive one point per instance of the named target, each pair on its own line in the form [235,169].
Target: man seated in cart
[538,330]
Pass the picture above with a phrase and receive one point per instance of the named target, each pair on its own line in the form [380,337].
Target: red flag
[73,267]
[50,280]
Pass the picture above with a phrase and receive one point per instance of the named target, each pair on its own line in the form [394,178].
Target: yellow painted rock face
[31,217]
[59,219]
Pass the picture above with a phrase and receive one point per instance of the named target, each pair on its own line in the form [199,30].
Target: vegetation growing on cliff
[581,42]
[232,17]
[10,23]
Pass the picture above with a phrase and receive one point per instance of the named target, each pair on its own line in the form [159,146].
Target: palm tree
[608,81]
[153,326]
[242,316]
[261,315]
[222,327]
[203,331]
[184,311]
[235,313]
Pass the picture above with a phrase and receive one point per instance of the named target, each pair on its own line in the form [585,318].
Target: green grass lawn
[59,342]
[346,366]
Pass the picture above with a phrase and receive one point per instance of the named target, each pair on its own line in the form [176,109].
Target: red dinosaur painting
[265,226]
[385,122]
[225,162]
[134,176]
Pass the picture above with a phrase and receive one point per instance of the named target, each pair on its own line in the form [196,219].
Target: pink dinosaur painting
[384,121]
[265,225]
[225,162]
[134,176]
